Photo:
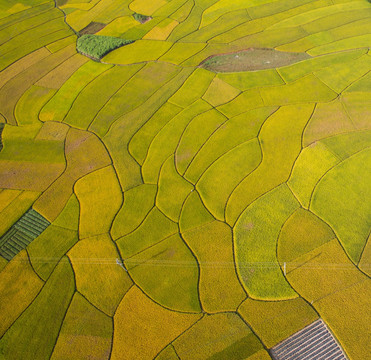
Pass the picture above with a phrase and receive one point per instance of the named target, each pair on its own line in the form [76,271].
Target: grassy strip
[96,46]
[1,131]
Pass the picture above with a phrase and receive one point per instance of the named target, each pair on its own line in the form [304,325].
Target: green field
[96,46]
[183,179]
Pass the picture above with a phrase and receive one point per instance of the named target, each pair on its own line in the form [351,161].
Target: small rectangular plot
[26,229]
[314,342]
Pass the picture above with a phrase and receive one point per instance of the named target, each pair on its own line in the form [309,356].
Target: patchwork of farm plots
[196,185]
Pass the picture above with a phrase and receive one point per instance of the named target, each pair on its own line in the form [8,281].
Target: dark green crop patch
[96,46]
[141,18]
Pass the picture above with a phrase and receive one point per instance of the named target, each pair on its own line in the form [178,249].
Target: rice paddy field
[184,179]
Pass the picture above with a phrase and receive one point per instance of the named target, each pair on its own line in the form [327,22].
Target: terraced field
[185,179]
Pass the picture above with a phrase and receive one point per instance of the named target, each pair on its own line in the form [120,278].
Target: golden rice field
[183,179]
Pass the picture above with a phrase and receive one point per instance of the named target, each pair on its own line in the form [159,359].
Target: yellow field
[17,294]
[98,208]
[86,332]
[218,336]
[200,191]
[212,245]
[172,190]
[132,332]
[281,318]
[313,276]
[87,257]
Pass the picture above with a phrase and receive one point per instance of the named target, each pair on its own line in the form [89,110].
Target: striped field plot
[314,342]
[26,229]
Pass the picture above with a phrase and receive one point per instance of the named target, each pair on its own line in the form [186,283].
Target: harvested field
[251,60]
[92,28]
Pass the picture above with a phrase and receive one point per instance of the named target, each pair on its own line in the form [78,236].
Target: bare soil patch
[252,59]
[92,28]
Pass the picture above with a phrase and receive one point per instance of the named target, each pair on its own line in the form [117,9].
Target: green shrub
[141,18]
[96,46]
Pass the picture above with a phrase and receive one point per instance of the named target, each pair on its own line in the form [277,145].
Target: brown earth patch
[251,59]
[28,175]
[92,28]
